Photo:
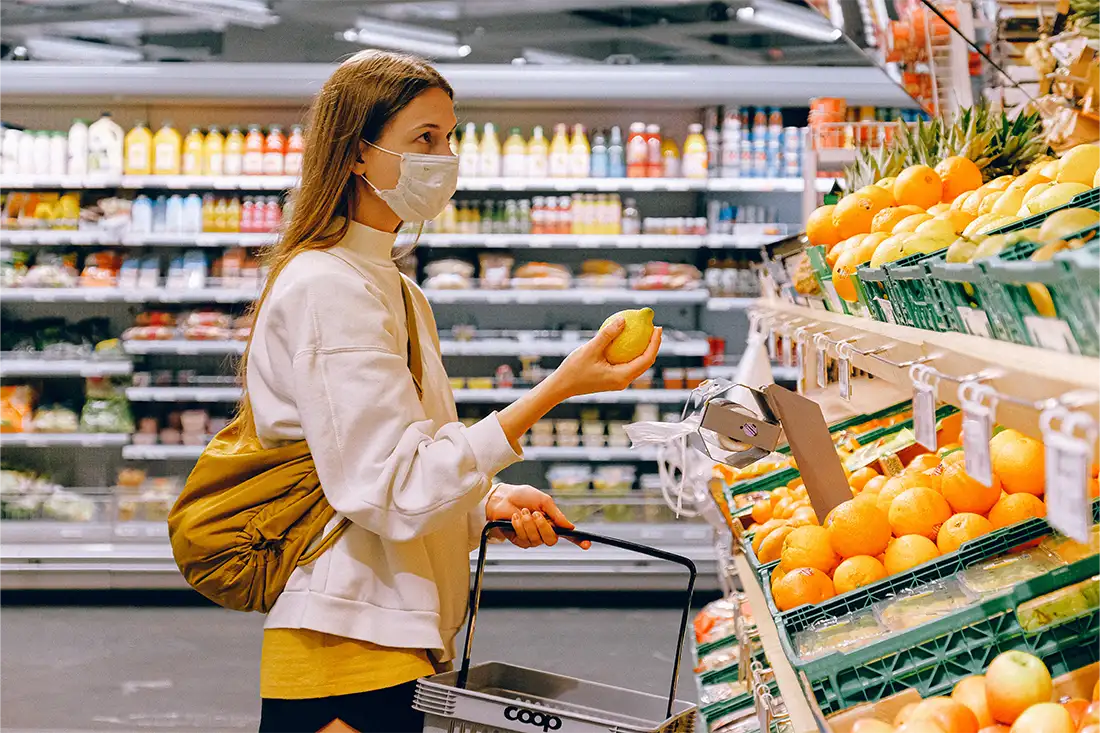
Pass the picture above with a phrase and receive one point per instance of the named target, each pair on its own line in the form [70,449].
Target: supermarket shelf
[184,347]
[15,364]
[554,347]
[581,184]
[580,453]
[183,394]
[123,295]
[729,304]
[162,452]
[1029,375]
[628,396]
[137,555]
[68,440]
[565,241]
[833,158]
[54,237]
[574,295]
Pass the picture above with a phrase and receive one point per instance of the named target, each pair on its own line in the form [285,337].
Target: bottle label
[137,157]
[253,164]
[191,164]
[166,159]
[292,165]
[234,165]
[537,166]
[273,164]
[215,164]
[559,164]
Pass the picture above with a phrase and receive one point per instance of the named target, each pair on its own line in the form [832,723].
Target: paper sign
[800,348]
[822,373]
[844,371]
[1067,476]
[976,432]
[786,352]
[830,293]
[771,345]
[975,320]
[924,415]
[1051,333]
[887,310]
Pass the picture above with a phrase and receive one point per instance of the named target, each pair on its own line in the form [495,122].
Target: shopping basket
[494,696]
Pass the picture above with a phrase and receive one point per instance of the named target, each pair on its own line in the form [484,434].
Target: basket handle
[581,536]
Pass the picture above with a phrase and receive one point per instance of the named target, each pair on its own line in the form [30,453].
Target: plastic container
[567,427]
[569,478]
[916,606]
[841,634]
[1060,605]
[614,478]
[694,376]
[673,378]
[1070,550]
[1000,573]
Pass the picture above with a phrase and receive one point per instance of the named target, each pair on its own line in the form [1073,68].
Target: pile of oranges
[895,523]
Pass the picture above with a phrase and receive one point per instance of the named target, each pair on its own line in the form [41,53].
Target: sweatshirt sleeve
[380,461]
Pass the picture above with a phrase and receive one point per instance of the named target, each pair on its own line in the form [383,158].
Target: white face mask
[425,185]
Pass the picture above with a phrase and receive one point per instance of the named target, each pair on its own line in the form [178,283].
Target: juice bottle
[274,151]
[166,151]
[637,151]
[599,167]
[78,148]
[233,215]
[273,214]
[558,163]
[759,125]
[208,212]
[695,153]
[193,153]
[221,214]
[489,153]
[775,124]
[213,153]
[616,156]
[234,152]
[514,164]
[248,216]
[538,154]
[295,148]
[580,154]
[252,162]
[654,167]
[670,159]
[469,155]
[139,150]
[105,146]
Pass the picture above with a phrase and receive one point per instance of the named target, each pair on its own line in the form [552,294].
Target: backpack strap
[414,357]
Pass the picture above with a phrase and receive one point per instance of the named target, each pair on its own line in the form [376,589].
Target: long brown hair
[356,103]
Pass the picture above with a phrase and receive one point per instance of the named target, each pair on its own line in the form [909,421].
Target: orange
[958,175]
[904,713]
[762,532]
[918,185]
[920,511]
[783,509]
[1013,508]
[874,485]
[857,528]
[888,218]
[801,586]
[854,213]
[882,197]
[1019,461]
[844,272]
[820,229]
[951,716]
[805,514]
[970,691]
[859,478]
[778,573]
[923,462]
[955,457]
[949,431]
[761,511]
[964,493]
[895,485]
[932,478]
[773,544]
[809,547]
[908,552]
[857,571]
[959,529]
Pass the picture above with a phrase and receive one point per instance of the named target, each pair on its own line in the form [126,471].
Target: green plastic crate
[1069,331]
[824,276]
[1084,265]
[958,300]
[1086,200]
[909,282]
[871,291]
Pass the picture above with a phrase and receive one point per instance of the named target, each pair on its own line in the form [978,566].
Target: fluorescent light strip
[430,49]
[236,12]
[783,23]
[407,32]
[67,49]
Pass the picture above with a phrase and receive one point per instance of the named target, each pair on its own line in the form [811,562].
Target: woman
[330,361]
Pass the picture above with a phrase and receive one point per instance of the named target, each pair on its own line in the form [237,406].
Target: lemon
[1051,197]
[1079,164]
[633,341]
[890,249]
[1065,223]
[1009,202]
[910,223]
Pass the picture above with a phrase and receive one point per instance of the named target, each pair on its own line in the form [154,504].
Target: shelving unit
[21,365]
[63,440]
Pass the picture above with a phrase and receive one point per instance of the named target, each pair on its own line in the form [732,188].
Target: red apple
[948,714]
[970,691]
[1014,682]
[1045,717]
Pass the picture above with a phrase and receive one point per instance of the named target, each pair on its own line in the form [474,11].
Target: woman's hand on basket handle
[533,515]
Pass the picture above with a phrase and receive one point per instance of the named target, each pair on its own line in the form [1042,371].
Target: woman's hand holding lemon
[625,347]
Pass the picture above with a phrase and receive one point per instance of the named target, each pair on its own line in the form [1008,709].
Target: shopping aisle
[120,669]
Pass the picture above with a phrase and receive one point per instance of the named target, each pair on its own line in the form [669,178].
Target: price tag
[887,310]
[800,347]
[975,320]
[787,359]
[771,345]
[1068,459]
[1051,333]
[44,296]
[844,377]
[831,294]
[822,373]
[924,405]
[977,429]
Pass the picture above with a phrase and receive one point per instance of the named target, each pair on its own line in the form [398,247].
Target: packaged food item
[694,376]
[252,158]
[106,409]
[101,269]
[479,383]
[233,152]
[922,604]
[16,408]
[673,378]
[192,160]
[449,274]
[542,276]
[614,478]
[295,149]
[665,276]
[213,153]
[55,419]
[1070,550]
[568,477]
[837,634]
[1060,605]
[1001,573]
[603,274]
[167,150]
[139,150]
[496,270]
[710,694]
[567,427]
[104,145]
[644,380]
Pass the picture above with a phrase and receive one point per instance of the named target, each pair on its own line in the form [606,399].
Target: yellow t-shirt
[298,664]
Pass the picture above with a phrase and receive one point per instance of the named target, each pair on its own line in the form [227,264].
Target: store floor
[125,668]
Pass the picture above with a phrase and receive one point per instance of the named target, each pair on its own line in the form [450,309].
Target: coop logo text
[534,718]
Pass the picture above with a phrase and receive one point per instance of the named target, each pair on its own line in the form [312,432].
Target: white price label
[830,293]
[801,352]
[822,372]
[1051,333]
[844,371]
[1067,476]
[975,320]
[771,345]
[787,359]
[887,310]
[924,415]
[976,429]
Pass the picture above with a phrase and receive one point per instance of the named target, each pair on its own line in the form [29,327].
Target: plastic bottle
[637,151]
[221,209]
[616,156]
[295,150]
[775,125]
[105,146]
[580,154]
[631,219]
[233,161]
[173,217]
[192,214]
[488,162]
[233,215]
[141,215]
[558,165]
[695,153]
[730,160]
[192,153]
[78,148]
[654,167]
[213,153]
[26,153]
[274,152]
[670,158]
[167,147]
[160,213]
[759,125]
[59,154]
[514,164]
[208,212]
[252,161]
[139,150]
[273,214]
[469,155]
[10,151]
[248,216]
[42,152]
[600,164]
[538,154]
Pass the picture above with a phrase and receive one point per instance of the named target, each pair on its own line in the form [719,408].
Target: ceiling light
[539,56]
[411,38]
[789,22]
[47,48]
[251,13]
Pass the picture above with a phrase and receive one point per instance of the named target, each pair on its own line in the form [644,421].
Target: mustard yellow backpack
[249,515]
